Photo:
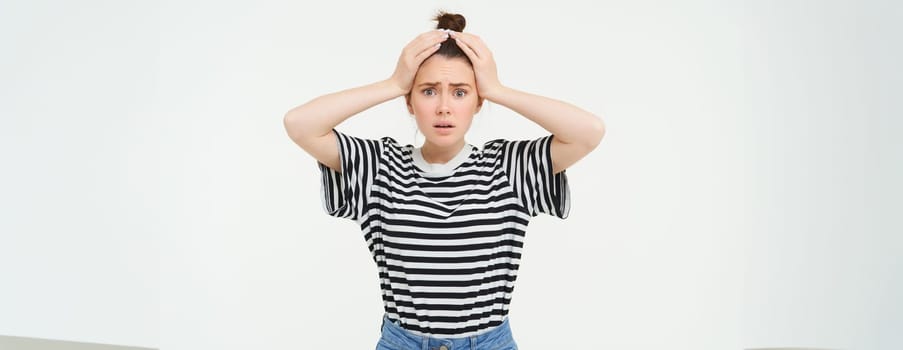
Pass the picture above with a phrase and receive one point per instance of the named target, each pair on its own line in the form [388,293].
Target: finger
[428,40]
[430,46]
[420,57]
[468,50]
[430,43]
[465,42]
[429,35]
[479,47]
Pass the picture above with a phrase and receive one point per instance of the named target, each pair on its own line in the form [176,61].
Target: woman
[445,222]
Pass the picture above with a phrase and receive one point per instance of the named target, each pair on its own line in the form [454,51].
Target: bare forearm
[569,123]
[319,116]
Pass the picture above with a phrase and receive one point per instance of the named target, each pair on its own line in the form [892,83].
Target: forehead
[447,70]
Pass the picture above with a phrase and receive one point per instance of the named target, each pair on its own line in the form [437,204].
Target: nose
[443,106]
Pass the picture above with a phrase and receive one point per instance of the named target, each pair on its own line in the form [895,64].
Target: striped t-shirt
[447,239]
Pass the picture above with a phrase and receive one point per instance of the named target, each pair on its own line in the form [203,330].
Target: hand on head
[414,54]
[426,44]
[484,67]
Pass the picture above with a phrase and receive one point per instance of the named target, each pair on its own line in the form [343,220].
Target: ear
[407,102]
[479,105]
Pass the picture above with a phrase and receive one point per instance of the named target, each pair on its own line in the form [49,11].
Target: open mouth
[444,126]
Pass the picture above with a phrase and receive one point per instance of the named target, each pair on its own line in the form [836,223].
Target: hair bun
[451,21]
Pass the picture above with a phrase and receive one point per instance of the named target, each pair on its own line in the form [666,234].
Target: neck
[438,154]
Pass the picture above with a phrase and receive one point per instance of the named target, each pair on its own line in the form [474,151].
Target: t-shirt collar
[432,169]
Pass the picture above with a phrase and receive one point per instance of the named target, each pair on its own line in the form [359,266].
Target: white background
[742,197]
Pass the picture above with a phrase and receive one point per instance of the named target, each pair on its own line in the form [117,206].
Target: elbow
[302,128]
[289,121]
[596,131]
[294,125]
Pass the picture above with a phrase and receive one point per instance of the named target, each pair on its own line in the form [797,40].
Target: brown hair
[452,21]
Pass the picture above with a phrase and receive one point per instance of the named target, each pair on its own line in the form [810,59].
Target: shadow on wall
[21,343]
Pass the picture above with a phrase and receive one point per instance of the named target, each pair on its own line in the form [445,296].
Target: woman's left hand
[484,68]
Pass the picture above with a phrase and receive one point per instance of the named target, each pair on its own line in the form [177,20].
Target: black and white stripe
[447,247]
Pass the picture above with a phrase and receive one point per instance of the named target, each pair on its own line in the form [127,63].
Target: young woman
[446,221]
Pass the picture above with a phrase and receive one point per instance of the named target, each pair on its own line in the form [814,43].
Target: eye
[428,91]
[460,93]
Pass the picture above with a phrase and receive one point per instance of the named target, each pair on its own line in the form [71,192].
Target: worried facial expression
[444,99]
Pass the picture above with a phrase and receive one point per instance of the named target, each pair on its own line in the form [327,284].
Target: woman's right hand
[413,55]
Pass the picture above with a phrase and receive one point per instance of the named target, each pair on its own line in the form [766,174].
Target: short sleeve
[346,194]
[528,164]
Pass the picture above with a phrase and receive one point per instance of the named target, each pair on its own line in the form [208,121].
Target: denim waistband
[393,333]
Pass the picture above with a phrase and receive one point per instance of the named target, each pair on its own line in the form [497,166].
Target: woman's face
[444,99]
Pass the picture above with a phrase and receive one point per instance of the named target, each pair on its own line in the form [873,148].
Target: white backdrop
[742,197]
[81,200]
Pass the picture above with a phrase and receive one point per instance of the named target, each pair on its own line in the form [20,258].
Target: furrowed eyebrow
[438,83]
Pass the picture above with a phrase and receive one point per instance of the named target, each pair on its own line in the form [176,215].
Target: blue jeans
[396,338]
